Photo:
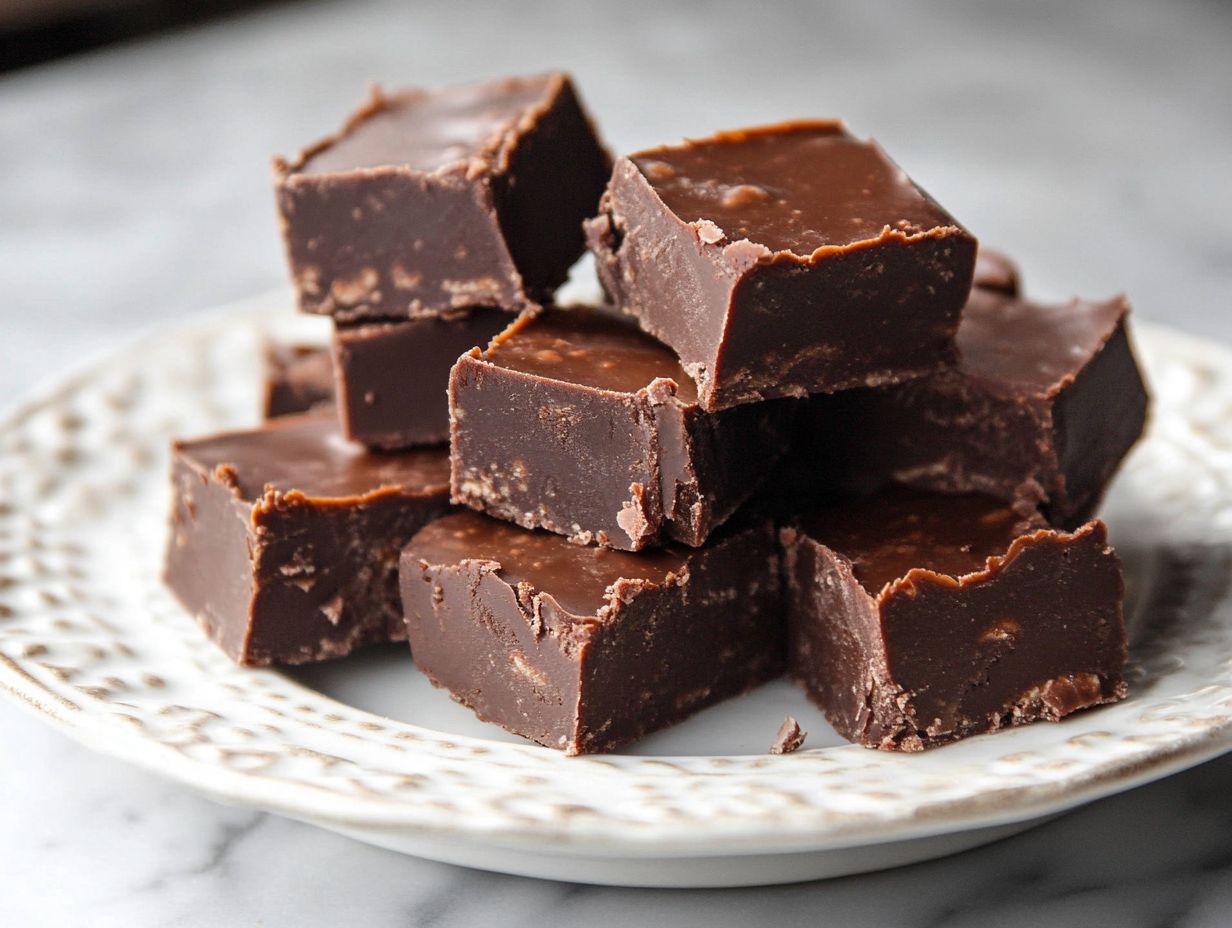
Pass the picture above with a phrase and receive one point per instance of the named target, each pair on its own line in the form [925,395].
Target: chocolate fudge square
[783,260]
[585,649]
[393,376]
[441,199]
[1045,403]
[577,422]
[298,378]
[285,540]
[917,619]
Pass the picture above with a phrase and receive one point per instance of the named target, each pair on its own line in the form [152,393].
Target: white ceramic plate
[91,642]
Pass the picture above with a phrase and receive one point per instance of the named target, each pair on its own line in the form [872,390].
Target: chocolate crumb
[789,738]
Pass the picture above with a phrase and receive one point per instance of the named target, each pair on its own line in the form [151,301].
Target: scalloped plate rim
[1031,801]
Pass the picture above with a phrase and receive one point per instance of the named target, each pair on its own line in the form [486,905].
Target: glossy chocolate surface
[591,349]
[308,456]
[284,540]
[577,576]
[783,261]
[577,422]
[583,649]
[431,129]
[440,200]
[906,640]
[796,187]
[1044,404]
[393,376]
[1032,346]
[907,530]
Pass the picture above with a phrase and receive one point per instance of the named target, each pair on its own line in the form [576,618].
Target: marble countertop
[1091,141]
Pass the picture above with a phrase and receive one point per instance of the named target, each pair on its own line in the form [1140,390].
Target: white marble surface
[1090,140]
[90,841]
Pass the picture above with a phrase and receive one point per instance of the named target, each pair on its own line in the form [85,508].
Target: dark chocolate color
[393,376]
[577,422]
[782,261]
[298,378]
[917,619]
[1042,408]
[901,529]
[429,201]
[585,649]
[285,540]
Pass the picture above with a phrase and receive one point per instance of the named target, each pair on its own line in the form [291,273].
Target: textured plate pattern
[89,638]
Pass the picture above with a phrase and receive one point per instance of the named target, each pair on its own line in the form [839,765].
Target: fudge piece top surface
[591,347]
[576,576]
[307,454]
[1038,347]
[800,188]
[434,128]
[888,535]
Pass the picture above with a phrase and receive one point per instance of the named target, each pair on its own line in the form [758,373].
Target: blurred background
[1091,141]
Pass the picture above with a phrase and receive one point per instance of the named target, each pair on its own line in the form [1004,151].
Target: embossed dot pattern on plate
[91,640]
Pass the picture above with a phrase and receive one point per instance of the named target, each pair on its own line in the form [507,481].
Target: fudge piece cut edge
[1115,376]
[679,459]
[255,572]
[1055,448]
[390,399]
[498,211]
[603,679]
[636,267]
[484,488]
[840,656]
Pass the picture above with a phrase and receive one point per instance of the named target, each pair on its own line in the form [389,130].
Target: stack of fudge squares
[812,432]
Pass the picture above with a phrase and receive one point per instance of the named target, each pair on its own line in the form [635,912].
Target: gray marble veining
[1092,141]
